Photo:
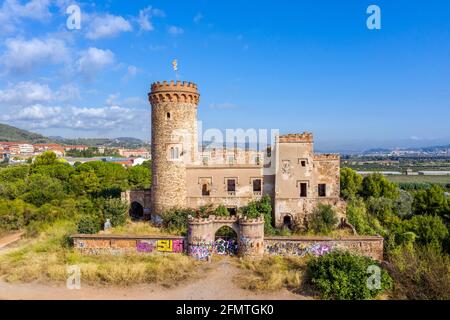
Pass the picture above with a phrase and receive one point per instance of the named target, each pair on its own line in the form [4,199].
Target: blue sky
[287,65]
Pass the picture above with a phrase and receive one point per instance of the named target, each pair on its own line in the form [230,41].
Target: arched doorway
[225,242]
[136,211]
[287,222]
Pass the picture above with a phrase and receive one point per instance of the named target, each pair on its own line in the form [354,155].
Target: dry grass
[45,259]
[272,273]
[139,229]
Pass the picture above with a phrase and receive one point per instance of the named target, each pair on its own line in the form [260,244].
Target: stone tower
[174,141]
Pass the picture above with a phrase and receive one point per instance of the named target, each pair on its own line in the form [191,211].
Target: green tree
[323,219]
[351,183]
[430,230]
[116,210]
[42,189]
[431,201]
[376,185]
[139,177]
[46,158]
[84,183]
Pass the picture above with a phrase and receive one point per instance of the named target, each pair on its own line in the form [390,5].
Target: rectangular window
[303,190]
[257,186]
[322,189]
[303,162]
[231,186]
[206,190]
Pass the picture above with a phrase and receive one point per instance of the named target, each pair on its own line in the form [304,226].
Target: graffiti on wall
[148,246]
[297,249]
[203,249]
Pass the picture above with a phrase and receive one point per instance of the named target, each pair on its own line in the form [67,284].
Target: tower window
[303,190]
[322,189]
[168,115]
[174,153]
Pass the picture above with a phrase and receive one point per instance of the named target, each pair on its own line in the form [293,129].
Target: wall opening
[303,190]
[232,211]
[205,190]
[225,241]
[136,211]
[322,189]
[287,222]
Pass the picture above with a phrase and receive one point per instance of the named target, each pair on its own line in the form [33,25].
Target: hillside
[10,133]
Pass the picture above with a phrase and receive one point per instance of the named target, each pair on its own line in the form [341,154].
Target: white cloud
[144,18]
[13,11]
[26,92]
[93,60]
[198,17]
[173,30]
[107,26]
[24,55]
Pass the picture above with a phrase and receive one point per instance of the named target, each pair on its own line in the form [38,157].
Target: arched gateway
[201,235]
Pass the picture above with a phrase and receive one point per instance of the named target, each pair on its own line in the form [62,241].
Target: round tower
[174,141]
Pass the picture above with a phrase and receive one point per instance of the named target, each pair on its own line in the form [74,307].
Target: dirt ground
[216,284]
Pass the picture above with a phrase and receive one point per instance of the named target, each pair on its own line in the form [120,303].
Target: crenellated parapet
[326,157]
[296,137]
[185,92]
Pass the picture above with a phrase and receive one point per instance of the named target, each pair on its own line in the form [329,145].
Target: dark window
[205,190]
[231,185]
[322,190]
[257,185]
[168,115]
[232,211]
[303,190]
[303,162]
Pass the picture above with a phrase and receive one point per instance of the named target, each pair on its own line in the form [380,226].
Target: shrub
[323,219]
[256,209]
[430,230]
[14,214]
[421,273]
[176,219]
[221,211]
[342,275]
[89,224]
[116,210]
[376,185]
[351,183]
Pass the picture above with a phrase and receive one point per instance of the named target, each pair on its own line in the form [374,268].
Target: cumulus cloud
[173,30]
[106,26]
[24,55]
[93,60]
[28,92]
[13,11]
[145,15]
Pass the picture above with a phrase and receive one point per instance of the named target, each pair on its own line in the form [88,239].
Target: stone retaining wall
[120,244]
[371,246]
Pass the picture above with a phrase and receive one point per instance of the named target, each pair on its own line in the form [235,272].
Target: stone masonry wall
[370,246]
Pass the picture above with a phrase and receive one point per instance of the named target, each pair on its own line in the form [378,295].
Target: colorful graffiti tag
[203,249]
[297,249]
[148,246]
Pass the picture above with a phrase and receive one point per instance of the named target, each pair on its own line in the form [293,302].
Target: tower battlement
[172,91]
[296,137]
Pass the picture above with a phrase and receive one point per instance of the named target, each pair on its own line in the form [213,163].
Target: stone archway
[136,211]
[202,231]
[225,241]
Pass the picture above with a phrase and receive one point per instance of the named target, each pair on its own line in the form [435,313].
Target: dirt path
[9,239]
[216,284]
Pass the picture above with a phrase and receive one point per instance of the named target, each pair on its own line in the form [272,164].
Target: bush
[342,275]
[14,214]
[176,219]
[116,210]
[351,183]
[221,211]
[376,185]
[323,219]
[430,230]
[422,273]
[256,209]
[89,224]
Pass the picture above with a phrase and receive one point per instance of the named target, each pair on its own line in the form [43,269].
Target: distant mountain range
[419,150]
[12,134]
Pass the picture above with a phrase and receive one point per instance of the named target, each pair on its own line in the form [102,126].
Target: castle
[184,175]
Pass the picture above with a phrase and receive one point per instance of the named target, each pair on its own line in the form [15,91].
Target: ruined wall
[143,197]
[370,246]
[296,164]
[174,126]
[201,236]
[118,244]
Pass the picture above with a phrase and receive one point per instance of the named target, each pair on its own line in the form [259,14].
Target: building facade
[184,175]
